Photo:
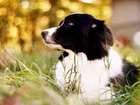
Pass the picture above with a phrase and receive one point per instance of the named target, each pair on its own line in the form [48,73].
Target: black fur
[77,34]
[131,72]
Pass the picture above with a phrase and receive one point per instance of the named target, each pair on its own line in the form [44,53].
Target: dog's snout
[44,33]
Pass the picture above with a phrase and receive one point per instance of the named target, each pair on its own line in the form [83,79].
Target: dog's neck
[92,57]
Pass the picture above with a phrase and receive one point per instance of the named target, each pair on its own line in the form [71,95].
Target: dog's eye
[69,24]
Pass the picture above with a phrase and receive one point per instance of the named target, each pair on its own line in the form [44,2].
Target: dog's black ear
[99,40]
[102,31]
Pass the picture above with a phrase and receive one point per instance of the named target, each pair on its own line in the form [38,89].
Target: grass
[28,79]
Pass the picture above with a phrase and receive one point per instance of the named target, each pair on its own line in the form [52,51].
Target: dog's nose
[44,33]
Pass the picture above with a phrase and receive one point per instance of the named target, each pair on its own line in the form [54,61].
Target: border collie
[88,58]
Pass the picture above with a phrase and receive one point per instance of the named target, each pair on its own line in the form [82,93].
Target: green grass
[28,79]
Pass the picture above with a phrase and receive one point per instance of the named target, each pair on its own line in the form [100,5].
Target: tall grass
[28,79]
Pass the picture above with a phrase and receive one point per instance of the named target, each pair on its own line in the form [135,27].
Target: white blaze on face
[48,39]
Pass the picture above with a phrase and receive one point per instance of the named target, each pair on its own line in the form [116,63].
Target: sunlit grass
[28,78]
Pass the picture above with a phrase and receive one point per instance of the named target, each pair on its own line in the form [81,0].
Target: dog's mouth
[48,40]
[54,45]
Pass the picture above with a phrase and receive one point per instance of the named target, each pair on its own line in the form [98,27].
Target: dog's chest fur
[91,75]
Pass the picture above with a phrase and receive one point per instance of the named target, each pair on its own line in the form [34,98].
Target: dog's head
[80,33]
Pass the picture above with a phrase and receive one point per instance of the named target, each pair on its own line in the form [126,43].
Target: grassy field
[28,79]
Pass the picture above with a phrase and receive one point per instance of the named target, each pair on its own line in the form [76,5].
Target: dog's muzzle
[47,35]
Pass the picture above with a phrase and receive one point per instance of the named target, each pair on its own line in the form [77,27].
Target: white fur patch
[92,75]
[51,31]
[49,40]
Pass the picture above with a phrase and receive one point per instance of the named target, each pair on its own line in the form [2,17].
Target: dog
[88,57]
